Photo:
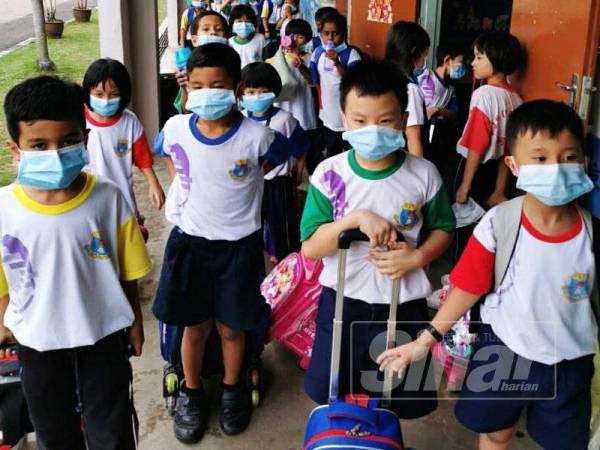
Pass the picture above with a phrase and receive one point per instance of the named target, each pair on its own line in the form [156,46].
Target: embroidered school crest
[578,288]
[407,217]
[240,170]
[96,249]
[122,147]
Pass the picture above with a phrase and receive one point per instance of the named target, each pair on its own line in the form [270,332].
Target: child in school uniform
[407,46]
[70,257]
[539,331]
[260,86]
[382,190]
[116,141]
[194,9]
[246,41]
[213,257]
[327,66]
[319,16]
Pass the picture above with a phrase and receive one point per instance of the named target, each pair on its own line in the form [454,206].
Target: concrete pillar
[128,32]
[173,22]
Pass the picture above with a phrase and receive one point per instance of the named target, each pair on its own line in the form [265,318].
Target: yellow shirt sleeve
[184,21]
[134,260]
[264,14]
[3,282]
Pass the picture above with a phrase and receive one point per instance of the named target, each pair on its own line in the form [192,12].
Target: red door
[561,39]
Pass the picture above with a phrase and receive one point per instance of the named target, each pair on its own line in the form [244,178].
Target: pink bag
[292,290]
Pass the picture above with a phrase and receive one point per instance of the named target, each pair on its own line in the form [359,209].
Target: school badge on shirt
[407,218]
[96,248]
[240,170]
[122,147]
[578,288]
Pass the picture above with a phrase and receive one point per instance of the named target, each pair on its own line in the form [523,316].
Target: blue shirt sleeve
[279,151]
[314,61]
[158,144]
[300,142]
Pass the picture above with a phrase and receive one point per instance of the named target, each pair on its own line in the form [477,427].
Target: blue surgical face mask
[243,2]
[375,142]
[554,184]
[197,4]
[277,2]
[51,169]
[458,71]
[210,104]
[258,103]
[106,108]
[418,71]
[210,39]
[340,48]
[243,29]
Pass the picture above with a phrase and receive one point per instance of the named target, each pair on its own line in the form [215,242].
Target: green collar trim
[375,174]
[237,40]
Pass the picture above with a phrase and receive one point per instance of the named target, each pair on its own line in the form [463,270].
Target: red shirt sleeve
[477,133]
[142,155]
[474,271]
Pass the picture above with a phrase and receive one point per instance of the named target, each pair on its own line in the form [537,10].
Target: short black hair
[502,49]
[374,78]
[299,26]
[104,69]
[202,15]
[543,115]
[217,55]
[240,11]
[324,11]
[447,49]
[339,21]
[261,75]
[43,98]
[406,41]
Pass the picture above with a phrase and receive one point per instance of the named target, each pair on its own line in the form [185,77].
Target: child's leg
[193,345]
[104,380]
[51,393]
[233,343]
[498,440]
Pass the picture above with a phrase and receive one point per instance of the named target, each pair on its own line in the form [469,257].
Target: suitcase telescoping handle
[345,239]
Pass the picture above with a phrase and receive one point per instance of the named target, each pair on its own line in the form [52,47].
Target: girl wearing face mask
[116,140]
[407,47]
[289,11]
[194,9]
[260,87]
[246,41]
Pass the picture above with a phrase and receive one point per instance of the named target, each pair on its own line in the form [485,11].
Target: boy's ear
[404,120]
[13,147]
[512,165]
[447,60]
[344,121]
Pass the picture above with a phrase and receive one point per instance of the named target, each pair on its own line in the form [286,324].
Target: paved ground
[278,424]
[16,23]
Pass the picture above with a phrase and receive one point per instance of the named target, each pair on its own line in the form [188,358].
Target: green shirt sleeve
[318,210]
[438,214]
[177,102]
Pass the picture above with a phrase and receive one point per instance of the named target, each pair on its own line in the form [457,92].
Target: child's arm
[6,337]
[324,241]
[413,138]
[155,190]
[397,359]
[299,170]
[471,166]
[170,166]
[433,111]
[499,194]
[136,331]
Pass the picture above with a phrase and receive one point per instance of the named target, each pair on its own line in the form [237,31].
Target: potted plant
[81,12]
[54,27]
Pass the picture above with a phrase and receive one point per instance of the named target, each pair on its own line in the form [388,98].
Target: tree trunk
[44,62]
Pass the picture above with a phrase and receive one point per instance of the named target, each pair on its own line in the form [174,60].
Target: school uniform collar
[216,141]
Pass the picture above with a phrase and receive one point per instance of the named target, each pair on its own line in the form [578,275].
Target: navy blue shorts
[501,385]
[203,280]
[363,339]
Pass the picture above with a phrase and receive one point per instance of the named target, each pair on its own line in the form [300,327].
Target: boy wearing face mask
[382,190]
[245,40]
[540,318]
[70,257]
[213,258]
[195,7]
[441,103]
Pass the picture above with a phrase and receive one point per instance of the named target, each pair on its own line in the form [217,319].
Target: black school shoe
[236,409]
[191,416]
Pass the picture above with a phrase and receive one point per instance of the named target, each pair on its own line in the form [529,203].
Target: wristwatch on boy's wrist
[432,331]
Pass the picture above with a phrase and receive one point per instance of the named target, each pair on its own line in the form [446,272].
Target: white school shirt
[301,105]
[329,81]
[251,51]
[436,93]
[415,105]
[115,147]
[61,265]
[217,192]
[485,130]
[408,194]
[542,309]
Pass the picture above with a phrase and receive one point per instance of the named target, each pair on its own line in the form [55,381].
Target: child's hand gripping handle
[349,236]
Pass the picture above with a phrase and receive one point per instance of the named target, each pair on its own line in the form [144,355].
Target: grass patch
[162,10]
[72,55]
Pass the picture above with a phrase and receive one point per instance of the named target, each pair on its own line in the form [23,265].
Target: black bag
[14,417]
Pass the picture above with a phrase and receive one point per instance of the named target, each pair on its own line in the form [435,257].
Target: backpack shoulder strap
[591,228]
[191,15]
[506,222]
